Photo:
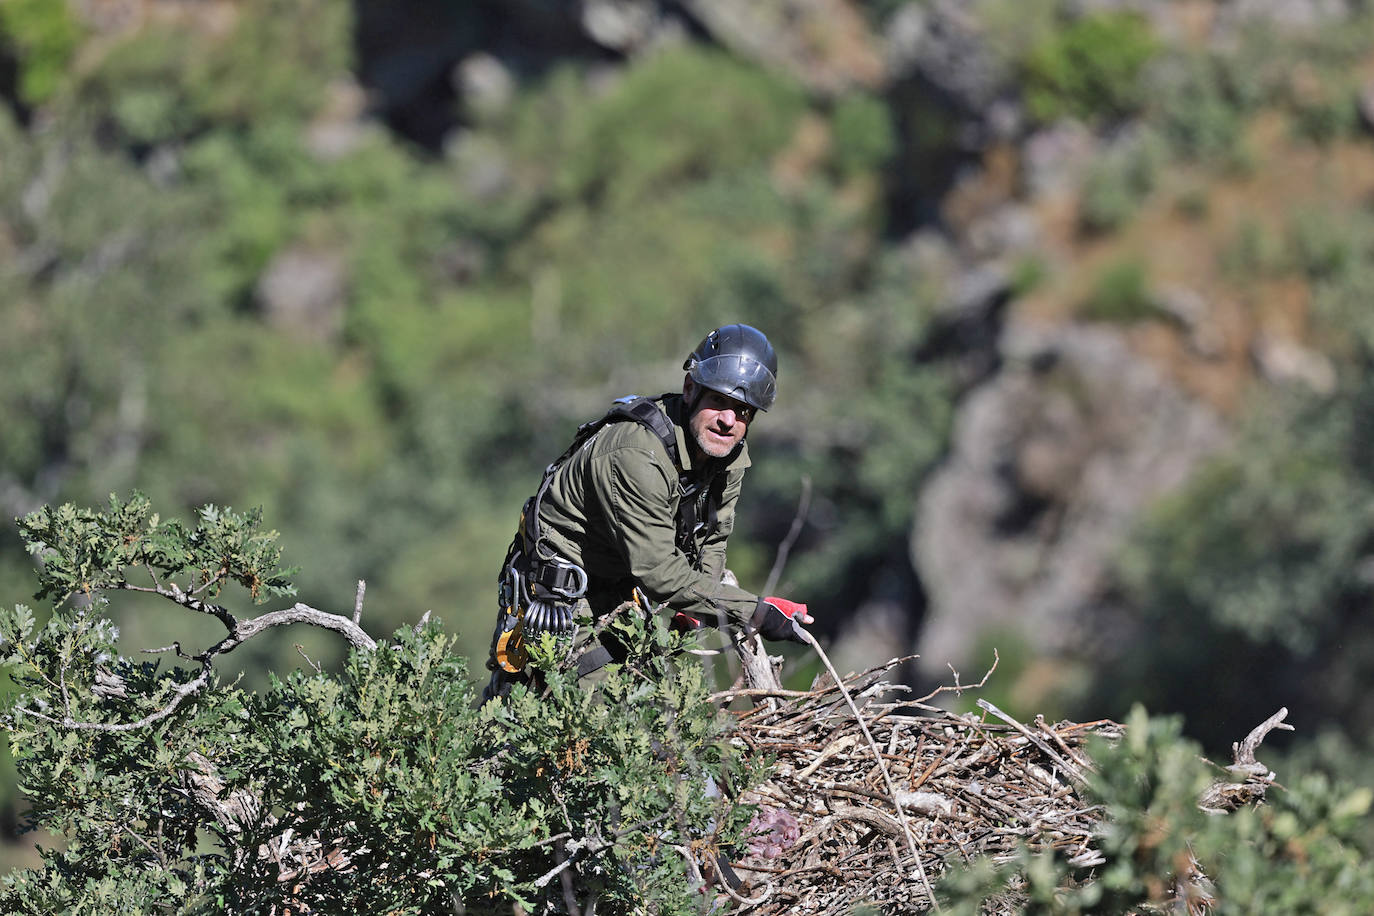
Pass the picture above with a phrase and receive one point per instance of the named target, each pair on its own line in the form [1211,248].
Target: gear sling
[539,589]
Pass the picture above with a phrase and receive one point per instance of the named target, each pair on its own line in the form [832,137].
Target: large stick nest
[957,787]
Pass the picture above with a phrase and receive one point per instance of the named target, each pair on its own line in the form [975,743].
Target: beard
[713,447]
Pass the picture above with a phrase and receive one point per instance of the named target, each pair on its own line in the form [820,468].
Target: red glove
[684,623]
[778,619]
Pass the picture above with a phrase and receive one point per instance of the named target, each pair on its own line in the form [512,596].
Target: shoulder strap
[646,413]
[639,409]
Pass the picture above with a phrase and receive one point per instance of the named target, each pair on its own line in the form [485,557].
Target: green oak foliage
[421,797]
[1300,852]
[83,552]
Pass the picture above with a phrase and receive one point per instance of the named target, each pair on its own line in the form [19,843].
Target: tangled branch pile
[966,786]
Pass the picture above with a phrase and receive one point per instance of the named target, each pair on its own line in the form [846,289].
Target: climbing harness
[539,590]
[533,600]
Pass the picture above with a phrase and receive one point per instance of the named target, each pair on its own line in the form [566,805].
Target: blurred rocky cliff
[1070,423]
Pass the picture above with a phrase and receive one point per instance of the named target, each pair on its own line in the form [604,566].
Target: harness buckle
[568,580]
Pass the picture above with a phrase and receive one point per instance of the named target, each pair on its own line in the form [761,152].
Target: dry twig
[959,785]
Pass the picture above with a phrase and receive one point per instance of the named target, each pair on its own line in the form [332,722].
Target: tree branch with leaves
[382,787]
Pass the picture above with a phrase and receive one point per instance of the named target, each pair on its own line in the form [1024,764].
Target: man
[644,498]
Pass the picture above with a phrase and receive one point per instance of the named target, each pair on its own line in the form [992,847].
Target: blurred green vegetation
[1121,293]
[565,249]
[1119,182]
[569,246]
[1090,68]
[42,36]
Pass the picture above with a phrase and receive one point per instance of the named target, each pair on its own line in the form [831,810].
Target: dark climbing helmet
[737,361]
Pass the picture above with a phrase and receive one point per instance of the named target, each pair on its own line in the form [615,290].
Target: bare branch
[174,647]
[358,601]
[234,813]
[957,688]
[1223,795]
[303,613]
[239,632]
[214,580]
[1244,752]
[300,650]
[758,669]
[569,898]
[794,532]
[178,696]
[1033,738]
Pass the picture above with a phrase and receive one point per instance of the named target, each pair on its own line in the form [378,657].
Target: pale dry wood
[967,785]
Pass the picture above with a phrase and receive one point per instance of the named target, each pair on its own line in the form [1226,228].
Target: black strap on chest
[698,508]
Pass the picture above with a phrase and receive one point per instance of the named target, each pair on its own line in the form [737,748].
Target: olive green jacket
[612,509]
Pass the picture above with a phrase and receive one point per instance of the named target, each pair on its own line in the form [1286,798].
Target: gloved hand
[778,619]
[685,623]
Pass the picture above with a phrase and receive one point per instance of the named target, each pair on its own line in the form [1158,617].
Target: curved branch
[1244,752]
[240,631]
[1222,795]
[303,613]
[180,694]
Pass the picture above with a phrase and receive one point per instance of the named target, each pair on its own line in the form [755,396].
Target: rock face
[940,51]
[825,44]
[1051,462]
[1064,433]
[943,43]
[302,292]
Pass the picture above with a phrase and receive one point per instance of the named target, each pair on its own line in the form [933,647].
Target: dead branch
[239,631]
[1228,795]
[967,787]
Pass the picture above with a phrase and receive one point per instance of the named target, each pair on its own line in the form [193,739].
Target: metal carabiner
[579,576]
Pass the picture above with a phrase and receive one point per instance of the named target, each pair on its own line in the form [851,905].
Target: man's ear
[687,388]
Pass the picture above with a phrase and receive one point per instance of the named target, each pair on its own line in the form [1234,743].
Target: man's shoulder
[628,442]
[740,460]
[627,432]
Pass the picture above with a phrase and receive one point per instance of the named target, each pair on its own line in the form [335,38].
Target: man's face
[719,422]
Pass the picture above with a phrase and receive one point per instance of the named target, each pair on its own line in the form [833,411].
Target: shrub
[42,36]
[377,790]
[1331,113]
[1121,294]
[1119,182]
[864,135]
[1090,69]
[1255,251]
[684,115]
[1199,111]
[1298,853]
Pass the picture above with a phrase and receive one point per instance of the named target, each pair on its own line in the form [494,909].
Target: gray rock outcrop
[1051,462]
